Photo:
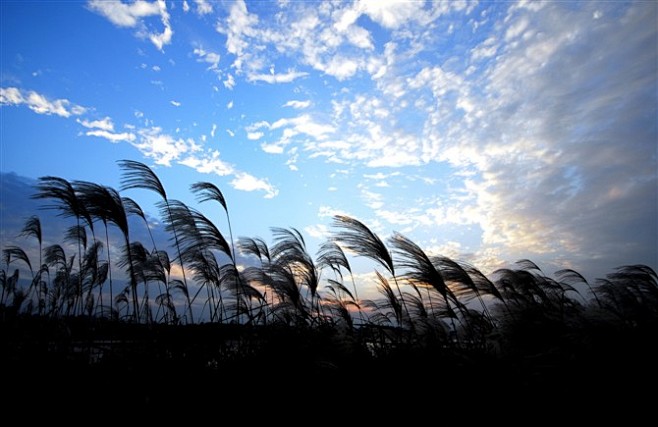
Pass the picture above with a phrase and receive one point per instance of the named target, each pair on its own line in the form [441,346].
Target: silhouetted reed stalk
[207,191]
[68,205]
[138,175]
[361,240]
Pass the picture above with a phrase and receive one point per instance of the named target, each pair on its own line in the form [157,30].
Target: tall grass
[430,298]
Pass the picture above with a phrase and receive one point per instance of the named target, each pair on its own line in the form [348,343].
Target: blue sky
[485,131]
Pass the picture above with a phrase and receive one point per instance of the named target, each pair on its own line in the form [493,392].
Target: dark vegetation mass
[135,323]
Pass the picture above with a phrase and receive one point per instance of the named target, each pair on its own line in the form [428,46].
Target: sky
[489,132]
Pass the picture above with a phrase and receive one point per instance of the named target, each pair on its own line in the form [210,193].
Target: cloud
[552,177]
[186,6]
[229,83]
[328,39]
[288,131]
[341,67]
[211,58]
[297,104]
[254,136]
[111,136]
[175,103]
[318,231]
[124,15]
[277,78]
[163,149]
[240,26]
[246,182]
[391,14]
[486,49]
[533,152]
[132,16]
[329,212]
[203,7]
[39,103]
[160,147]
[304,124]
[272,148]
[209,164]
[103,124]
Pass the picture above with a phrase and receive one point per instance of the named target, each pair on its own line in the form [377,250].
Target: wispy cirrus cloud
[285,131]
[131,15]
[112,136]
[272,78]
[298,105]
[39,103]
[240,26]
[209,163]
[105,124]
[211,58]
[104,128]
[164,149]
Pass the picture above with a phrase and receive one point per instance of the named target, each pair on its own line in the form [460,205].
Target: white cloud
[186,6]
[327,38]
[211,58]
[272,148]
[229,83]
[111,136]
[229,105]
[246,182]
[230,133]
[373,200]
[345,24]
[39,103]
[208,164]
[329,212]
[160,147]
[318,231]
[175,103]
[290,130]
[390,14]
[211,163]
[203,7]
[486,49]
[103,124]
[305,124]
[131,16]
[122,14]
[156,68]
[277,78]
[380,175]
[240,26]
[11,96]
[297,104]
[212,131]
[341,67]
